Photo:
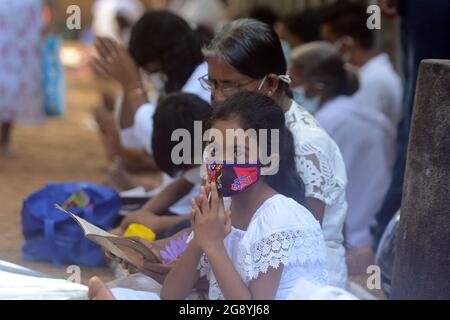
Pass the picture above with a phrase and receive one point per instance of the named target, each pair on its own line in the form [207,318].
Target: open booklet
[128,249]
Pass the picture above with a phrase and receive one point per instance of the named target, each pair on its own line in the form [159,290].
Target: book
[130,250]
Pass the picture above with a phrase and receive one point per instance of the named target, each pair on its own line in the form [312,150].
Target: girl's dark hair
[165,38]
[252,47]
[256,111]
[320,61]
[176,111]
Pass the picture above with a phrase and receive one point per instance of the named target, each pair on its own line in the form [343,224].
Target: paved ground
[63,150]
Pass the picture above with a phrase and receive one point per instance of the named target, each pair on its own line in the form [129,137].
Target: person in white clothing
[165,48]
[345,25]
[246,55]
[365,137]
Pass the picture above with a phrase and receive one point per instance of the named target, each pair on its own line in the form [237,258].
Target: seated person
[365,137]
[168,212]
[164,52]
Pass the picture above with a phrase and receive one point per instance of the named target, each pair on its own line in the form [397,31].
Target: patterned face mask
[232,179]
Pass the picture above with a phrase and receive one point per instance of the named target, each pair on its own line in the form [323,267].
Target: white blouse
[322,169]
[281,232]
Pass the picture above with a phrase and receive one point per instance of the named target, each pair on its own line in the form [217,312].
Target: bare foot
[98,290]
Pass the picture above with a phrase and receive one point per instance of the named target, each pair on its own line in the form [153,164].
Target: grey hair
[252,48]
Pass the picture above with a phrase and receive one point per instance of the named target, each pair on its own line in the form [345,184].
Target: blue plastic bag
[53,236]
[53,78]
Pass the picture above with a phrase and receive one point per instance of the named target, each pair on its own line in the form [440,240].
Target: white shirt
[367,142]
[381,88]
[322,169]
[281,232]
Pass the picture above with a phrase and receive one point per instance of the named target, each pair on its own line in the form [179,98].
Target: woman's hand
[211,222]
[114,61]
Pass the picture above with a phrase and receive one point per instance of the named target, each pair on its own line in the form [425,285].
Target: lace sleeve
[299,247]
[203,267]
[318,159]
[318,175]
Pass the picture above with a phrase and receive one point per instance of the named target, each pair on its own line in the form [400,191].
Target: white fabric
[209,13]
[23,287]
[366,139]
[21,62]
[322,168]
[129,294]
[305,290]
[139,136]
[381,88]
[281,232]
[104,13]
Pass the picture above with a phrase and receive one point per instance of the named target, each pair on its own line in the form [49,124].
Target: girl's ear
[271,86]
[272,166]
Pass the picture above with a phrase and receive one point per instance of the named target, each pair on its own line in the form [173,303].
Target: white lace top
[322,168]
[281,232]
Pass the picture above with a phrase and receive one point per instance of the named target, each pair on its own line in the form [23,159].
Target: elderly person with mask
[365,137]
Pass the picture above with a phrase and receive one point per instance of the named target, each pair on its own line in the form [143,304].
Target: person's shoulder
[281,213]
[308,133]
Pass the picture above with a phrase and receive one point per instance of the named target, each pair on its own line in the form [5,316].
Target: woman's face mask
[232,179]
[310,104]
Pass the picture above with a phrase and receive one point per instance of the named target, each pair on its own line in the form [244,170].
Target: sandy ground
[70,150]
[62,150]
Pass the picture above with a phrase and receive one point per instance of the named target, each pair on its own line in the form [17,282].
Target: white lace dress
[322,168]
[282,232]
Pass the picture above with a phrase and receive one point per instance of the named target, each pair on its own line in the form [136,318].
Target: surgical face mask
[232,179]
[310,104]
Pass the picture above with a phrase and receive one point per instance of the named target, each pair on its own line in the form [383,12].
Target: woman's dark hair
[320,61]
[255,111]
[165,38]
[251,47]
[176,111]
